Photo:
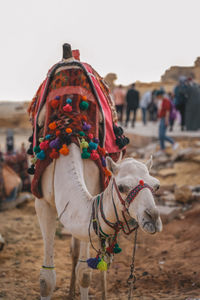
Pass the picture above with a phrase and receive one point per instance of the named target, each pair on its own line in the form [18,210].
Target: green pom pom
[41,139]
[102,265]
[81,133]
[84,105]
[85,154]
[36,149]
[117,249]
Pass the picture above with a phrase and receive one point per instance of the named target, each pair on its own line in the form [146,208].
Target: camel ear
[111,165]
[149,163]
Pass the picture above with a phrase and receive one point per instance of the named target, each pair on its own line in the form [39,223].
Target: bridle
[118,225]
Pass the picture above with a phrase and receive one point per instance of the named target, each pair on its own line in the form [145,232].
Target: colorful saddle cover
[79,110]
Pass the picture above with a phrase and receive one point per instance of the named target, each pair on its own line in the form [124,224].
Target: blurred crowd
[13,171]
[181,105]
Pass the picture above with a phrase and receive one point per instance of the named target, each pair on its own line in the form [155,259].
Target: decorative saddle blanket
[78,109]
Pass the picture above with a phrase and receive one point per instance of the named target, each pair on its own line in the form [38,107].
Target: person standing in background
[164,107]
[119,99]
[144,103]
[181,97]
[132,100]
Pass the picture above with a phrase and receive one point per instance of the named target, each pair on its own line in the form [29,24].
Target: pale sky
[136,39]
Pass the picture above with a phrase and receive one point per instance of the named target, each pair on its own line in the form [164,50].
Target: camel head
[128,174]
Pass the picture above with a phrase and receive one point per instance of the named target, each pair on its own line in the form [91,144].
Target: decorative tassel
[68,101]
[55,143]
[68,130]
[107,172]
[141,182]
[86,127]
[103,161]
[36,149]
[48,136]
[58,132]
[84,144]
[67,108]
[41,139]
[31,170]
[94,155]
[54,154]
[30,150]
[30,139]
[33,160]
[52,125]
[85,154]
[81,133]
[54,104]
[90,135]
[102,265]
[93,146]
[64,150]
[44,145]
[117,249]
[41,155]
[84,105]
[93,262]
[57,97]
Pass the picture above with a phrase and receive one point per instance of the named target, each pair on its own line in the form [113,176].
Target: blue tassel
[93,146]
[93,262]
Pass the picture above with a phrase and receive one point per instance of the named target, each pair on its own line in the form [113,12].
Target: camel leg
[103,285]
[47,220]
[83,273]
[75,249]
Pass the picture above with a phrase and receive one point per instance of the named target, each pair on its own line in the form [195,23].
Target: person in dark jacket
[181,98]
[132,99]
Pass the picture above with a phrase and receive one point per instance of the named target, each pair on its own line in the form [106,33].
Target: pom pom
[36,149]
[30,139]
[85,154]
[101,151]
[84,118]
[86,126]
[54,104]
[96,140]
[52,125]
[68,130]
[48,136]
[44,145]
[31,170]
[102,265]
[90,135]
[84,98]
[41,139]
[57,97]
[54,154]
[107,172]
[93,146]
[103,161]
[58,132]
[67,108]
[68,101]
[94,155]
[93,262]
[55,143]
[41,155]
[84,144]
[118,130]
[109,249]
[126,141]
[81,133]
[33,160]
[141,182]
[119,142]
[84,105]
[117,249]
[30,150]
[64,150]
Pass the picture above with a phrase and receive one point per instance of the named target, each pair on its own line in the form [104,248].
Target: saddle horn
[67,51]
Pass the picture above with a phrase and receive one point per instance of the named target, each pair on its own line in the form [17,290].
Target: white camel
[69,185]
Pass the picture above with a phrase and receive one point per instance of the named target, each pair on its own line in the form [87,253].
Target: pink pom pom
[94,155]
[141,182]
[67,108]
[44,145]
[90,135]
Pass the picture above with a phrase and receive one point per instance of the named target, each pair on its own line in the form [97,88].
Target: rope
[131,280]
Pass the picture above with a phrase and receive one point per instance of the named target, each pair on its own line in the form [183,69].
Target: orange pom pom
[54,154]
[101,151]
[64,150]
[84,98]
[107,172]
[52,125]
[58,132]
[84,118]
[68,130]
[54,103]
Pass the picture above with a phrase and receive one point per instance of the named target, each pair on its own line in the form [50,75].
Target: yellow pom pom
[102,265]
[84,144]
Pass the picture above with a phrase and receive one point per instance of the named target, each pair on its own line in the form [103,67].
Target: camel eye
[121,188]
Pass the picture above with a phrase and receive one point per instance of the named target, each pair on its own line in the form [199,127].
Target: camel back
[79,109]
